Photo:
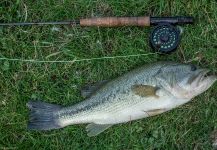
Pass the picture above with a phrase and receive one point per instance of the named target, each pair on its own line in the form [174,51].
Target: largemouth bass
[147,91]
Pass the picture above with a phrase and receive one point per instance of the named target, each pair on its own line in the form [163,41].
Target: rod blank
[41,23]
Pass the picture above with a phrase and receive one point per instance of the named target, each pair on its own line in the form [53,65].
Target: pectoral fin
[145,90]
[88,90]
[95,129]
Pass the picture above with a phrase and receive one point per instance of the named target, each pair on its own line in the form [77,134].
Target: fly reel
[165,38]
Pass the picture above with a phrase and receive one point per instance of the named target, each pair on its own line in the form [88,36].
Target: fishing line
[75,60]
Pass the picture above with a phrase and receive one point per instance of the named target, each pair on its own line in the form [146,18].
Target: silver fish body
[146,91]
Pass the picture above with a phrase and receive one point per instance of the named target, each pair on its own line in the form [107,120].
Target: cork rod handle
[116,21]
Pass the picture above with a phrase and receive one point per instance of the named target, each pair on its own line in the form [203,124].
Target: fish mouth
[204,75]
[201,76]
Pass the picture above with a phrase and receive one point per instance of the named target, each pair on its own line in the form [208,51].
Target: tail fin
[42,116]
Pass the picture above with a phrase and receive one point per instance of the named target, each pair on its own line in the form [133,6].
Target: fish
[147,91]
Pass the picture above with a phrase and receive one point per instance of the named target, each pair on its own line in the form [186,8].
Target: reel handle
[116,21]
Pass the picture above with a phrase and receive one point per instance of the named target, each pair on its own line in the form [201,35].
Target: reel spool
[165,38]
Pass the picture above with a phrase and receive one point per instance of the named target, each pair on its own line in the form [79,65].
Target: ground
[187,127]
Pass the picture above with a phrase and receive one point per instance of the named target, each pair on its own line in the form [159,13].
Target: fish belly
[145,108]
[128,108]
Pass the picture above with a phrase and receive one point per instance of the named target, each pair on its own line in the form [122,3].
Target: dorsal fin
[88,90]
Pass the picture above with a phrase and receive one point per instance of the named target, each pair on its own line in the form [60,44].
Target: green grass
[187,127]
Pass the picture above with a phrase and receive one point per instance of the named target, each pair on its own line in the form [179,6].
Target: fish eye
[193,68]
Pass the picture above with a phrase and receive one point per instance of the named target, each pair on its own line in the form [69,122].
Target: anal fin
[95,129]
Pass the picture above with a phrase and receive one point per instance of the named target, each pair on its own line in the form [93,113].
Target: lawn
[187,127]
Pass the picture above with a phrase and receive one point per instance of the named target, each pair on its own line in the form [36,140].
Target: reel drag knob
[165,38]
